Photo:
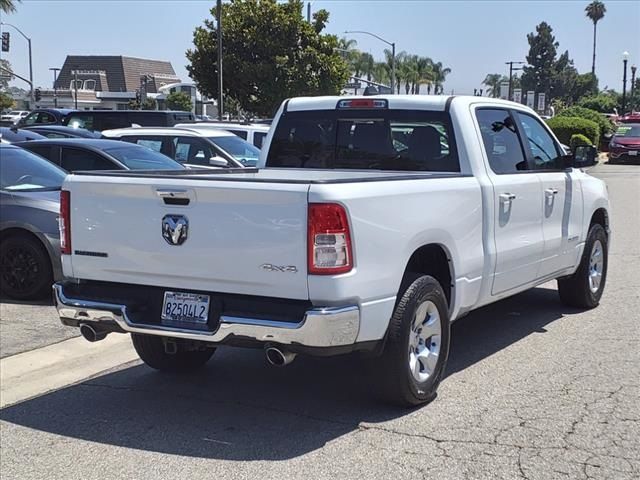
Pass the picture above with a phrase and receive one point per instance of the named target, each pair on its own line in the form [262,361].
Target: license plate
[180,307]
[633,153]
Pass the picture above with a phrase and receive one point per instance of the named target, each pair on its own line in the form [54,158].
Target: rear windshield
[135,157]
[365,139]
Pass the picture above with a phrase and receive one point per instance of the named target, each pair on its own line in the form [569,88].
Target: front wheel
[413,362]
[182,357]
[584,288]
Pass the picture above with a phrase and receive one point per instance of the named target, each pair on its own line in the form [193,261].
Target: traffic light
[5,41]
[38,95]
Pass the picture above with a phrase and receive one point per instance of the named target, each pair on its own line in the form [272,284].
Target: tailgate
[241,237]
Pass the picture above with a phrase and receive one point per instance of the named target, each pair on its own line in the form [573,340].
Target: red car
[625,143]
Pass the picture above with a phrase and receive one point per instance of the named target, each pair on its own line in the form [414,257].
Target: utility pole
[309,12]
[55,89]
[511,70]
[219,22]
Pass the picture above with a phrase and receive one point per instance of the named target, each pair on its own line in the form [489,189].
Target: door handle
[551,191]
[507,197]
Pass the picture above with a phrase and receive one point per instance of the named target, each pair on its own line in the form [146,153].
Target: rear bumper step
[320,327]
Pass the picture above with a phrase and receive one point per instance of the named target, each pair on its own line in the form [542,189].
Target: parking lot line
[39,371]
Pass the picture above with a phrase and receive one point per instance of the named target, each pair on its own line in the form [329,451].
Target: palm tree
[367,63]
[381,73]
[8,6]
[439,76]
[493,81]
[595,11]
[424,69]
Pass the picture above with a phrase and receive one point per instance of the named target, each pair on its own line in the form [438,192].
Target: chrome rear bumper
[320,327]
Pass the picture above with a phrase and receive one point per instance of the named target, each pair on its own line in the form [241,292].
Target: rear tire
[152,351]
[415,355]
[584,288]
[25,268]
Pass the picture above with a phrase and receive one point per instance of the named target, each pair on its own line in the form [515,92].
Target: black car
[96,154]
[45,116]
[58,131]
[13,134]
[99,120]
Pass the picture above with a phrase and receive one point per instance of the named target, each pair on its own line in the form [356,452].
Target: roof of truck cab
[400,102]
[166,131]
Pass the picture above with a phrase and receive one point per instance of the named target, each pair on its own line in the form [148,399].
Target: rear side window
[76,159]
[258,138]
[81,121]
[501,142]
[365,139]
[240,133]
[46,151]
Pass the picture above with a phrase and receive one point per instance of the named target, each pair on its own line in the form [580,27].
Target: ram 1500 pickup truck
[370,224]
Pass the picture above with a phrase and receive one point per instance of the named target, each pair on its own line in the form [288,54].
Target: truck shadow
[238,408]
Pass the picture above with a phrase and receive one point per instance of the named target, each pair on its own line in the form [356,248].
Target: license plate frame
[185,308]
[633,153]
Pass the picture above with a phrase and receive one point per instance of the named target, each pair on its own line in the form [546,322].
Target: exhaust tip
[90,334]
[277,357]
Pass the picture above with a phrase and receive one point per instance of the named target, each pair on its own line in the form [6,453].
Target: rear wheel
[584,288]
[413,362]
[25,268]
[170,355]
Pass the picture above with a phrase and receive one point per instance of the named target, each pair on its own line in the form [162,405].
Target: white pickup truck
[370,225]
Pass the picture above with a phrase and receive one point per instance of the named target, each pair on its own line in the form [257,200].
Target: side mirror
[582,156]
[218,162]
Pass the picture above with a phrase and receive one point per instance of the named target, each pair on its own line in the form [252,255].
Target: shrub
[577,140]
[565,127]
[606,126]
[602,102]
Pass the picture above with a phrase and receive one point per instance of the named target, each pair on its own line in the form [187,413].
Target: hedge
[606,125]
[579,139]
[565,127]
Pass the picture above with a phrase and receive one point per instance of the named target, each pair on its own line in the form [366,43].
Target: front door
[562,196]
[517,197]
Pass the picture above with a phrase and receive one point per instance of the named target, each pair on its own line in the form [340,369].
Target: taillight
[64,222]
[329,240]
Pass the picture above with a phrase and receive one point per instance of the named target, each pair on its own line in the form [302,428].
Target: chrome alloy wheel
[425,337]
[596,266]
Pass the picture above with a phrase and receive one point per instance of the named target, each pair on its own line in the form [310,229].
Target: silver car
[29,236]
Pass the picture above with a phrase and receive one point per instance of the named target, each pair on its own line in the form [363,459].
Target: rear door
[241,237]
[561,196]
[517,195]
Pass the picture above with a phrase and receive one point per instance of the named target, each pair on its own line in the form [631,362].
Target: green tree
[179,101]
[604,102]
[269,53]
[5,77]
[595,12]
[8,6]
[493,81]
[6,101]
[541,59]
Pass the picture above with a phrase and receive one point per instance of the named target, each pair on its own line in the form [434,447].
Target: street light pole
[511,70]
[219,21]
[393,55]
[633,85]
[55,71]
[31,98]
[625,59]
[75,85]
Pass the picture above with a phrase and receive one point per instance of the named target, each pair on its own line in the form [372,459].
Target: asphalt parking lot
[534,390]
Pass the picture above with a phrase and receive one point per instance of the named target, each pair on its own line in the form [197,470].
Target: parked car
[45,116]
[99,120]
[625,143]
[253,133]
[385,219]
[13,134]
[58,131]
[29,209]
[631,117]
[97,154]
[13,116]
[194,147]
